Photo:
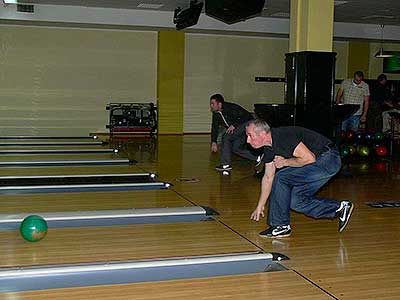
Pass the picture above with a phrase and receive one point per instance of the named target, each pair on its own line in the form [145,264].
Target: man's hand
[279,161]
[230,129]
[339,96]
[257,213]
[363,119]
[214,147]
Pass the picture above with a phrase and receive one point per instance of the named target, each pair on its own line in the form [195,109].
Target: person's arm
[339,95]
[365,109]
[214,129]
[266,186]
[301,156]
[238,115]
[230,129]
[388,103]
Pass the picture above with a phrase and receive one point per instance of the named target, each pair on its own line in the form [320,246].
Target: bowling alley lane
[70,202]
[70,170]
[120,243]
[47,157]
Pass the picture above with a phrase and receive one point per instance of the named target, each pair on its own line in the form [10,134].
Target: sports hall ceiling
[351,11]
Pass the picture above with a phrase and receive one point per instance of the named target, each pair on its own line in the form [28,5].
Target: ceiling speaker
[184,18]
[233,11]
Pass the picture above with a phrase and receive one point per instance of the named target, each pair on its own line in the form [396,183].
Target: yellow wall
[229,65]
[341,48]
[58,81]
[362,57]
[171,53]
[358,58]
[311,25]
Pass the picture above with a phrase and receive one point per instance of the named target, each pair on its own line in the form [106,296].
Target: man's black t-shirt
[286,139]
[380,93]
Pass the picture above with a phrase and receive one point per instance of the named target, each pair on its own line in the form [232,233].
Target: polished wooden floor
[29,158]
[360,263]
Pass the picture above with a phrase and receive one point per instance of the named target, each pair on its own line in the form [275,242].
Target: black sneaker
[223,168]
[345,210]
[277,231]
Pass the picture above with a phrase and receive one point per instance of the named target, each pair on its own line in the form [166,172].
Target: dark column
[310,80]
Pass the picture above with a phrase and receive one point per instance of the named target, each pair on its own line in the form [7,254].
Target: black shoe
[277,231]
[223,168]
[345,210]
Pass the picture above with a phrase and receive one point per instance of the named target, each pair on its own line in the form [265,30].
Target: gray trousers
[236,143]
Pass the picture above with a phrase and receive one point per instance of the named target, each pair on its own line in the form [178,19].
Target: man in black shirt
[380,95]
[234,118]
[307,160]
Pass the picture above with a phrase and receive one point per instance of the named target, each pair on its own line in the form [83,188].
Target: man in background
[234,118]
[380,96]
[354,91]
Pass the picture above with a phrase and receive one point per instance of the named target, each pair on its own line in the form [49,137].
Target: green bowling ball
[344,150]
[364,151]
[378,136]
[33,228]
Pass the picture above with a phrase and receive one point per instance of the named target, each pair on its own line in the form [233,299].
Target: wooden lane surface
[46,157]
[119,243]
[72,170]
[85,146]
[272,286]
[360,263]
[56,202]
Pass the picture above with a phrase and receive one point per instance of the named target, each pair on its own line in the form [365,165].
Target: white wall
[56,81]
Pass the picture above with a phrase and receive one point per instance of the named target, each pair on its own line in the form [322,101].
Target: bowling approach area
[192,238]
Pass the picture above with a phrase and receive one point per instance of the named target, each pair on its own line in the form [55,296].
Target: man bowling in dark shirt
[305,160]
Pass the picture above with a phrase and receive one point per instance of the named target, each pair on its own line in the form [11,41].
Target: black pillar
[310,79]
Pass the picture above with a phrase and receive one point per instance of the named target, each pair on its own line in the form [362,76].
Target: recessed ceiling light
[150,5]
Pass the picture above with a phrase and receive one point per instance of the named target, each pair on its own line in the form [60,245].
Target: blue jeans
[295,188]
[351,123]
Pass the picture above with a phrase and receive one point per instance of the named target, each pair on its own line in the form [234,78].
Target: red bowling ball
[381,151]
[350,134]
